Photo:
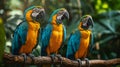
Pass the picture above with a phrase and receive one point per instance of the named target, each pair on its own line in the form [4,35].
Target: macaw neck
[28,16]
[80,26]
[32,24]
[54,22]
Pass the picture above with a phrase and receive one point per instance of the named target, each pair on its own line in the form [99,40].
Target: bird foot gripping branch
[53,58]
[87,62]
[79,62]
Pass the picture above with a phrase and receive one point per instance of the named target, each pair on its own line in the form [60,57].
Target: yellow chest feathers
[31,39]
[56,39]
[85,38]
[57,33]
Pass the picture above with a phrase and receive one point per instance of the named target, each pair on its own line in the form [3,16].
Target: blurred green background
[105,13]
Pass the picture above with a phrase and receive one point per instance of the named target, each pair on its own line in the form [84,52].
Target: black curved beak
[90,22]
[66,14]
[87,21]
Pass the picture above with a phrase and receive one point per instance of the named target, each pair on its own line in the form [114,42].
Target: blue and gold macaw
[54,33]
[26,34]
[81,40]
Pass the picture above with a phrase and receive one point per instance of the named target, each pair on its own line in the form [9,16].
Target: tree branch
[9,58]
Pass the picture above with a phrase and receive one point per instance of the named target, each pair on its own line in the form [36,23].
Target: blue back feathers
[19,37]
[73,44]
[46,33]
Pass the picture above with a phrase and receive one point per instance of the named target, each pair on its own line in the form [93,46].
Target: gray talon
[25,57]
[52,58]
[32,57]
[79,62]
[60,58]
[87,62]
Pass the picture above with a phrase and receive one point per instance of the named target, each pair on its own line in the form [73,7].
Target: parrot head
[60,14]
[34,13]
[87,21]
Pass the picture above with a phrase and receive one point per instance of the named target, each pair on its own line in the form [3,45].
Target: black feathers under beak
[66,14]
[90,22]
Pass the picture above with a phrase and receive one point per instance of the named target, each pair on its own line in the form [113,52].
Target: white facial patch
[34,14]
[59,17]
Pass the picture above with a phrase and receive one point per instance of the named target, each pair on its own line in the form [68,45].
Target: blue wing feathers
[73,44]
[19,37]
[46,33]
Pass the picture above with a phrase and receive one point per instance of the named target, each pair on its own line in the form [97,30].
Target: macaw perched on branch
[81,40]
[26,35]
[54,33]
